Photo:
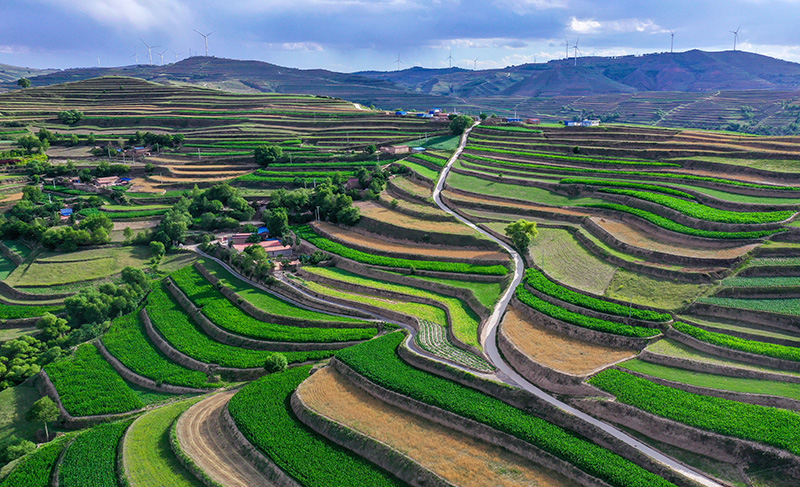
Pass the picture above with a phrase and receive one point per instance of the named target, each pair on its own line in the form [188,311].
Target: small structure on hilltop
[107,182]
[533,121]
[66,213]
[273,247]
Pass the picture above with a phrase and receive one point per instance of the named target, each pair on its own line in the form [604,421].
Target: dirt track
[203,439]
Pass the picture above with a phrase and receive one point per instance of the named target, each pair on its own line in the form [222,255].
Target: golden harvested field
[637,238]
[411,186]
[453,456]
[377,212]
[379,244]
[558,351]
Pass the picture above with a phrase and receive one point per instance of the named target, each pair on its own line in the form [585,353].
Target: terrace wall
[15,293]
[381,454]
[579,332]
[263,315]
[775,320]
[716,369]
[235,340]
[13,256]
[723,448]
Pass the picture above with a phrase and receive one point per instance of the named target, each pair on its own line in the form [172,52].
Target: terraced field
[659,295]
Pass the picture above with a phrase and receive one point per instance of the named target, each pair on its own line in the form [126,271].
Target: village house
[395,149]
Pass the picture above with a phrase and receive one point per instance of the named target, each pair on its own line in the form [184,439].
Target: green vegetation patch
[652,291]
[582,160]
[186,336]
[668,224]
[35,469]
[771,426]
[735,343]
[127,341]
[226,315]
[626,184]
[13,312]
[261,412]
[307,233]
[92,458]
[88,385]
[539,281]
[377,360]
[578,319]
[780,306]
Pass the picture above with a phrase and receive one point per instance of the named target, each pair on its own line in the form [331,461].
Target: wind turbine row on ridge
[205,38]
[735,37]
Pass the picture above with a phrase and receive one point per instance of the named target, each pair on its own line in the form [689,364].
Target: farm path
[204,440]
[508,374]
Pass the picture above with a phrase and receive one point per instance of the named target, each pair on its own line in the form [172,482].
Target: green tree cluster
[521,233]
[266,154]
[70,117]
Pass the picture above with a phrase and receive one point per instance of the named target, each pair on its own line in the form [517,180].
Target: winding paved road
[508,374]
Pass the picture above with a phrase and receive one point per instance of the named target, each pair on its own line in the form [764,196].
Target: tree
[521,232]
[266,154]
[278,222]
[459,124]
[24,83]
[483,116]
[128,234]
[44,410]
[157,248]
[275,363]
[52,327]
[18,449]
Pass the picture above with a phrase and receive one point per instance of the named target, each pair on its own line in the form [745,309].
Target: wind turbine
[671,40]
[450,58]
[575,47]
[149,50]
[475,64]
[161,54]
[735,37]
[98,61]
[399,62]
[566,47]
[176,55]
[205,38]
[135,56]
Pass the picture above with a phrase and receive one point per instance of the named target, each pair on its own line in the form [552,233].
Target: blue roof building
[66,212]
[262,230]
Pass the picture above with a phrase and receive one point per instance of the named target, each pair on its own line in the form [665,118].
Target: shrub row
[689,177]
[226,315]
[307,233]
[626,184]
[92,458]
[539,281]
[88,385]
[703,212]
[578,319]
[35,469]
[740,344]
[14,312]
[186,336]
[261,412]
[768,425]
[127,341]
[668,224]
[377,360]
[433,160]
[559,157]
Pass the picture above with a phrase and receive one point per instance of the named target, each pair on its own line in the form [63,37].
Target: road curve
[204,440]
[488,339]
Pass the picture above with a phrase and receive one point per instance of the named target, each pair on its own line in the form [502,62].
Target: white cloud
[477,43]
[141,15]
[371,6]
[524,7]
[296,46]
[7,49]
[591,26]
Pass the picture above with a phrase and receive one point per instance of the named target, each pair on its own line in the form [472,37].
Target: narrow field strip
[92,458]
[36,468]
[743,345]
[261,412]
[433,338]
[459,459]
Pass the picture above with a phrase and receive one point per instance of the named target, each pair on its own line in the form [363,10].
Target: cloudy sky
[352,35]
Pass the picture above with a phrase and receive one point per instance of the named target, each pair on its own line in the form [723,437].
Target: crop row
[510,128]
[778,305]
[668,224]
[703,212]
[777,281]
[740,344]
[626,184]
[771,426]
[127,341]
[433,338]
[323,164]
[307,233]
[226,315]
[559,157]
[186,336]
[261,412]
[578,319]
[689,177]
[13,312]
[92,458]
[124,215]
[377,360]
[433,160]
[539,281]
[88,385]
[268,302]
[36,468]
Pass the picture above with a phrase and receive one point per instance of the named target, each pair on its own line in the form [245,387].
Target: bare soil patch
[557,351]
[452,455]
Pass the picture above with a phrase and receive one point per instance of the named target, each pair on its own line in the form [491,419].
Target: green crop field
[92,458]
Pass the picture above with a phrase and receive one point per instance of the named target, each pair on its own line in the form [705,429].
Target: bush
[275,363]
[70,117]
